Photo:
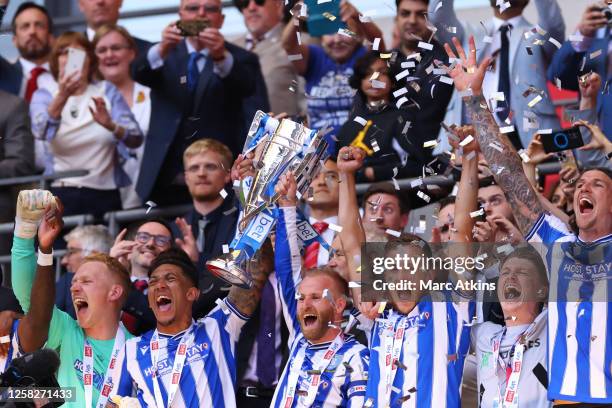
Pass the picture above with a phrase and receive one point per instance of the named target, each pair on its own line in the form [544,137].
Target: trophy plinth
[226,268]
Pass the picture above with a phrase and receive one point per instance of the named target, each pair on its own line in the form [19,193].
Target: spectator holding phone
[84,124]
[327,67]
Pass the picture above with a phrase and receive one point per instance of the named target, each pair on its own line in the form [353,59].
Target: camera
[562,139]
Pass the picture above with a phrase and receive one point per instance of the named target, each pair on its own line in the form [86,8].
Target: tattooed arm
[246,300]
[526,207]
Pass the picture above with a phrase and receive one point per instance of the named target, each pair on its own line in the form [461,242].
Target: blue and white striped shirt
[14,349]
[343,382]
[209,375]
[435,341]
[579,312]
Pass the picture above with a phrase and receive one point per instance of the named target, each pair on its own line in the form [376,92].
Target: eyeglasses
[242,4]
[159,240]
[72,251]
[114,48]
[209,167]
[194,8]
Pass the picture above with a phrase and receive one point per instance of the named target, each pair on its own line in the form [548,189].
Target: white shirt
[45,80]
[91,33]
[328,236]
[490,83]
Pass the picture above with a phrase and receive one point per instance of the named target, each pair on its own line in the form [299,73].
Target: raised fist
[31,206]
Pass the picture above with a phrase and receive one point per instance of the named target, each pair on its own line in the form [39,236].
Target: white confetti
[446,80]
[425,46]
[555,42]
[423,196]
[407,64]
[225,248]
[223,193]
[416,183]
[395,184]
[524,155]
[469,139]
[534,101]
[299,37]
[375,146]
[498,96]
[400,92]
[335,227]
[545,131]
[595,54]
[406,127]
[378,84]
[376,44]
[401,75]
[150,205]
[353,284]
[496,146]
[438,6]
[470,155]
[223,306]
[401,101]
[295,57]
[360,120]
[430,143]
[393,232]
[576,37]
[475,214]
[506,129]
[487,39]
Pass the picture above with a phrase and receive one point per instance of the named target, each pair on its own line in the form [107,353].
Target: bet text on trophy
[280,146]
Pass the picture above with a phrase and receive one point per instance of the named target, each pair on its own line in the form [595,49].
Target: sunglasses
[242,4]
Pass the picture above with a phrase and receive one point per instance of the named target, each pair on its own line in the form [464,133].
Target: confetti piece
[376,44]
[329,16]
[225,248]
[423,196]
[375,146]
[576,38]
[475,214]
[415,55]
[230,211]
[470,155]
[595,54]
[298,195]
[335,227]
[506,129]
[498,96]
[506,249]
[360,120]
[353,284]
[381,307]
[347,33]
[406,127]
[150,205]
[451,29]
[393,232]
[223,193]
[400,92]
[425,46]
[496,146]
[534,101]
[401,75]
[487,39]
[446,80]
[395,184]
[295,57]
[386,55]
[430,143]
[524,155]
[438,6]
[299,37]
[223,306]
[554,42]
[416,183]
[469,139]
[407,64]
[378,84]
[401,101]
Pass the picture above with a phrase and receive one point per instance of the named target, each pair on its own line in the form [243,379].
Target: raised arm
[290,42]
[467,75]
[34,326]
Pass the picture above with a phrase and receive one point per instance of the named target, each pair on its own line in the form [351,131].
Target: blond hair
[209,145]
[116,268]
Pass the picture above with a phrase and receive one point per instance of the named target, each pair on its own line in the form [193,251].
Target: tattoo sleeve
[506,165]
[246,300]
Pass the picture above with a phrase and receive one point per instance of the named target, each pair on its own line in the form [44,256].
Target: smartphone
[562,139]
[192,28]
[323,17]
[76,59]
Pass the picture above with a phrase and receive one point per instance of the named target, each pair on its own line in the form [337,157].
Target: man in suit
[32,27]
[211,223]
[520,57]
[207,79]
[588,49]
[264,22]
[100,12]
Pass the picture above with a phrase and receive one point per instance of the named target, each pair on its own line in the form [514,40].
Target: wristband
[45,259]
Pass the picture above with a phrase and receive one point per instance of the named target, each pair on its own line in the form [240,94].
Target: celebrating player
[326,368]
[91,348]
[187,363]
[580,348]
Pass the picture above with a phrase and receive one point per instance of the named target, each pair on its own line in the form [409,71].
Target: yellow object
[358,141]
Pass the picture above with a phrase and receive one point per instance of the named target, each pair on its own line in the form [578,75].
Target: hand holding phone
[75,62]
[562,139]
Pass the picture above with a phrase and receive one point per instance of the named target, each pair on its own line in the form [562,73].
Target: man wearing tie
[207,79]
[516,85]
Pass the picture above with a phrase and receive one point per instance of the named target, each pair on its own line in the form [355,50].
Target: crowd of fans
[464,112]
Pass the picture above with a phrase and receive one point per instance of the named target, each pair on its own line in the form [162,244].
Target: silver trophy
[280,147]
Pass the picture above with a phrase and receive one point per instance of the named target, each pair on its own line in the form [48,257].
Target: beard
[35,50]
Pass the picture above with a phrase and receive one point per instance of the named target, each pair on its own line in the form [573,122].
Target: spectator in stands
[264,22]
[385,211]
[519,65]
[207,79]
[100,12]
[81,132]
[136,249]
[16,153]
[116,49]
[446,217]
[322,208]
[376,125]
[581,54]
[327,67]
[81,242]
[32,36]
[212,220]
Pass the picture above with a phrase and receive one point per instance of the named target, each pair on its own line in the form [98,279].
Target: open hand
[122,248]
[467,74]
[188,243]
[100,113]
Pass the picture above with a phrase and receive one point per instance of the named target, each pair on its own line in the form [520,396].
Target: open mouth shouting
[80,305]
[585,205]
[512,292]
[310,319]
[163,303]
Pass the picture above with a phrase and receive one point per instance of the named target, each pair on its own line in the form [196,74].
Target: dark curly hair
[361,70]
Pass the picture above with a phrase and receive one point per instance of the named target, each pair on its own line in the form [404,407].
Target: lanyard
[315,380]
[509,399]
[110,377]
[392,344]
[177,367]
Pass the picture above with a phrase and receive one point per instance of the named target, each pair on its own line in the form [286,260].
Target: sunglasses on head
[242,4]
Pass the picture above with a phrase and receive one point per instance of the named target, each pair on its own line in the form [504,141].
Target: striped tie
[312,250]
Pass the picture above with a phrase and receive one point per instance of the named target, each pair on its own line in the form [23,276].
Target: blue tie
[504,71]
[193,73]
[266,338]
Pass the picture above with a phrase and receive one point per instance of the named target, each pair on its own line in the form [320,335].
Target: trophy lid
[230,272]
